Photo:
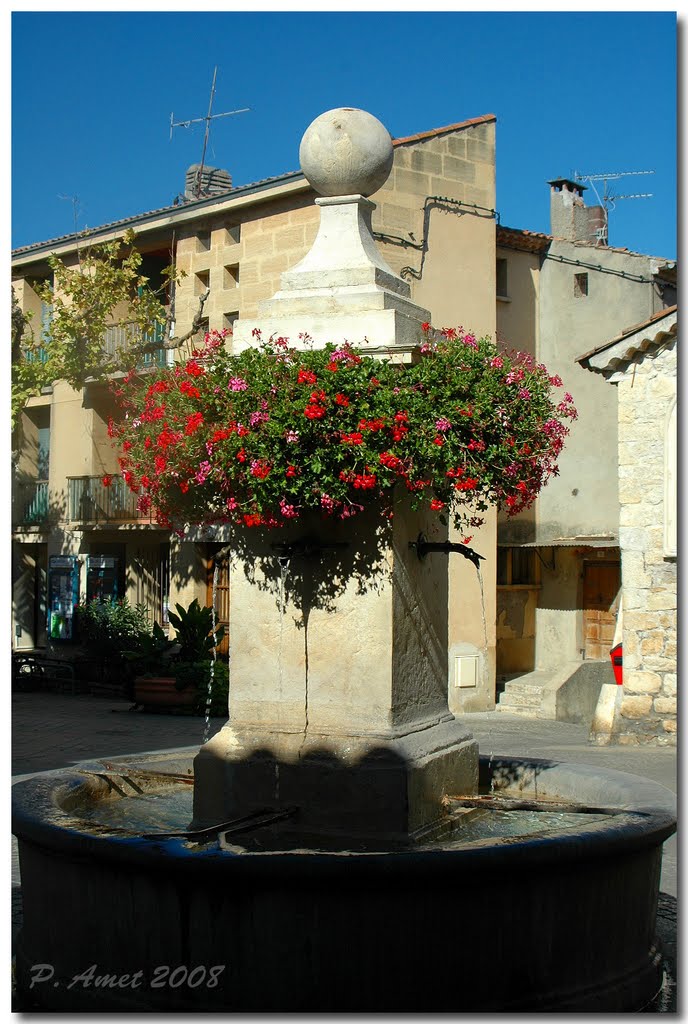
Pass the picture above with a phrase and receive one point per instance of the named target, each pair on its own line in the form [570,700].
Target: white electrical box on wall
[466,671]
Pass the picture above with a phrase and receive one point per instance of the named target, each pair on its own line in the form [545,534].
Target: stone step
[516,699]
[521,712]
[517,687]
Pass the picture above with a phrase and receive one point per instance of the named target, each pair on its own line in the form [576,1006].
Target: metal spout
[422,546]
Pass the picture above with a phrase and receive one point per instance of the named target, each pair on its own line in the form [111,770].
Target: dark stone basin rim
[38,818]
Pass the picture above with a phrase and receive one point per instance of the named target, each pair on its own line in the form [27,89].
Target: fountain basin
[555,921]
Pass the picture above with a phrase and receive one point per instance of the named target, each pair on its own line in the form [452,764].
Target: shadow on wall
[309,565]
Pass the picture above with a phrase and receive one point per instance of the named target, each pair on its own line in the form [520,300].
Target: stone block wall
[647,711]
[240,256]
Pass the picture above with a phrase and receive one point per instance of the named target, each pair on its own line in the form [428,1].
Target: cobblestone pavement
[52,731]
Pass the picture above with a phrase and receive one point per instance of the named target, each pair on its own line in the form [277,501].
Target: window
[40,353]
[232,276]
[502,284]
[233,234]
[229,319]
[43,452]
[580,285]
[203,241]
[202,282]
[517,567]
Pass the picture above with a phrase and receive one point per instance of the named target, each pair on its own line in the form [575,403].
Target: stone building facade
[434,223]
[641,362]
[559,571]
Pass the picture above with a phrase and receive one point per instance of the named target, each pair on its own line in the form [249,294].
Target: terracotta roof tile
[628,332]
[532,241]
[483,119]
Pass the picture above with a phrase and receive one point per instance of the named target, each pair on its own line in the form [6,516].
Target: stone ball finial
[346,152]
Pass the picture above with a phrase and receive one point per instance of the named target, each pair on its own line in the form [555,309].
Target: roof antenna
[208,118]
[607,200]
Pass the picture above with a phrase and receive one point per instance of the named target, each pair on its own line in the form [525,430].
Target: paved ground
[52,731]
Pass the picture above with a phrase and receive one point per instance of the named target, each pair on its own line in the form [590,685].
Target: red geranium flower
[306,377]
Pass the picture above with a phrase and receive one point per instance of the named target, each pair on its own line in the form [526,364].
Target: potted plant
[175,673]
[111,632]
[150,661]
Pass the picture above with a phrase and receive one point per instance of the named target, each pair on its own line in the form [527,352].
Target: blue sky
[92,96]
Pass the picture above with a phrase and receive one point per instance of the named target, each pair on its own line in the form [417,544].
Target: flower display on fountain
[260,437]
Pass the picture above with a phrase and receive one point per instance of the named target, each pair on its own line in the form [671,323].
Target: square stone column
[338,682]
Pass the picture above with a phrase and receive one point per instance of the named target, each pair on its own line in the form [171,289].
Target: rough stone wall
[647,712]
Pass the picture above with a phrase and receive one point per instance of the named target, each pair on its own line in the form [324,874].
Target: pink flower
[202,473]
[287,511]
[237,384]
[442,425]
[496,363]
[260,468]
[524,393]
[291,437]
[514,376]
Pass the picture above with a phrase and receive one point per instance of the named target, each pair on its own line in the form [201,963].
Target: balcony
[122,337]
[32,503]
[90,501]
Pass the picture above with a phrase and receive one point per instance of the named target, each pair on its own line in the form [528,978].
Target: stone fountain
[323,867]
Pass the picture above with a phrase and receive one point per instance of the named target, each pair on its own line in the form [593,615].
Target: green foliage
[219,690]
[194,627]
[151,652]
[104,287]
[111,628]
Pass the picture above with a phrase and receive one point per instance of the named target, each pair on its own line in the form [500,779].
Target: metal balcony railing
[33,503]
[121,337]
[90,501]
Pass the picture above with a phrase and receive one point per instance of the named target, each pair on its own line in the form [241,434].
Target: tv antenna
[207,119]
[608,198]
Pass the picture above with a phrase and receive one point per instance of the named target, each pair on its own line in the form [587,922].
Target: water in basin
[170,809]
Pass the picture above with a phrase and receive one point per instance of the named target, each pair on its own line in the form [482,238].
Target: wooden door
[221,597]
[601,583]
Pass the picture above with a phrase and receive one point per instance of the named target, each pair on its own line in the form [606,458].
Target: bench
[33,671]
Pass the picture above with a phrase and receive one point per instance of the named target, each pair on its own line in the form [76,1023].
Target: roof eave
[272,188]
[608,358]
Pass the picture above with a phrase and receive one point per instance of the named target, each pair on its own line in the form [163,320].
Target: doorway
[601,585]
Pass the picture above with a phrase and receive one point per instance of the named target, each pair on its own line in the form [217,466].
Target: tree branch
[172,343]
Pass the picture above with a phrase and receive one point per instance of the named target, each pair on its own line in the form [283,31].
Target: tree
[103,288]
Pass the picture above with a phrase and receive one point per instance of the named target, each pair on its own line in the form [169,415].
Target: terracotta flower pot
[160,691]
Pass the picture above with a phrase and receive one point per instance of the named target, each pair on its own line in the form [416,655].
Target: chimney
[213,181]
[570,218]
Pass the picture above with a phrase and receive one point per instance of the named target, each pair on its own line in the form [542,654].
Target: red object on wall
[616,654]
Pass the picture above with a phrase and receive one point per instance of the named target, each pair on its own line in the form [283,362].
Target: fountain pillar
[339,674]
